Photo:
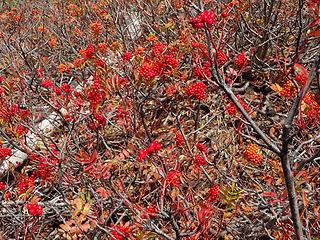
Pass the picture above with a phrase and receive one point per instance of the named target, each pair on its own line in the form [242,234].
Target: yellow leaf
[78,205]
[86,209]
[169,24]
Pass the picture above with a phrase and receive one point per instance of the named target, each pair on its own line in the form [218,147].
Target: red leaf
[84,158]
[94,157]
[299,69]
[268,194]
[315,33]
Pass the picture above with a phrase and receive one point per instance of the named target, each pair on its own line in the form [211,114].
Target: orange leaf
[35,199]
[304,199]
[85,227]
[65,227]
[78,205]
[276,87]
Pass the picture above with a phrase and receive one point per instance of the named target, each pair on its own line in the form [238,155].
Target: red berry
[151,210]
[4,153]
[127,56]
[146,71]
[46,83]
[39,210]
[252,154]
[90,51]
[224,14]
[32,211]
[241,60]
[221,57]
[199,161]
[208,17]
[214,192]
[173,178]
[7,195]
[2,185]
[154,146]
[202,148]
[142,154]
[196,22]
[197,90]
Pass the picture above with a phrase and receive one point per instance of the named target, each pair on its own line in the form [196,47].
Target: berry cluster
[232,109]
[288,90]
[241,60]
[146,71]
[301,79]
[4,153]
[101,120]
[150,212]
[96,27]
[201,72]
[214,192]
[120,113]
[46,83]
[90,51]
[170,60]
[127,56]
[158,49]
[173,178]
[120,232]
[202,148]
[221,57]
[199,161]
[252,154]
[25,184]
[2,186]
[197,90]
[152,148]
[34,209]
[206,17]
[178,139]
[311,110]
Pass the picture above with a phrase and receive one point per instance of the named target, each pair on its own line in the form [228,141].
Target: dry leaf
[276,87]
[78,205]
[102,192]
